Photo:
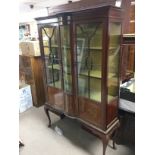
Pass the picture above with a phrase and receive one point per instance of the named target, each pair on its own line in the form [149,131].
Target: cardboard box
[29,48]
[25,98]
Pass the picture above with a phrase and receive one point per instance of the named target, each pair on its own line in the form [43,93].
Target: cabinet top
[101,10]
[80,5]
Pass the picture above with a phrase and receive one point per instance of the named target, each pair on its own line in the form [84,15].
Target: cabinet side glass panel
[51,55]
[66,57]
[88,60]
[113,60]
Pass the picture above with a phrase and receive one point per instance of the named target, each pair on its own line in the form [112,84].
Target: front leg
[47,113]
[105,141]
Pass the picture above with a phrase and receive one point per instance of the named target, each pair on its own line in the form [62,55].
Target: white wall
[26,14]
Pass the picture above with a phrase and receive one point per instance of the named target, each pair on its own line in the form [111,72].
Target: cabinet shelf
[96,74]
[56,46]
[94,48]
[91,48]
[57,67]
[93,73]
[46,46]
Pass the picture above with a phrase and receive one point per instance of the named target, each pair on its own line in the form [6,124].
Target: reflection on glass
[113,60]
[52,59]
[66,57]
[88,52]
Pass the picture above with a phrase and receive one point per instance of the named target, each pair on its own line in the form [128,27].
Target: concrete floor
[41,140]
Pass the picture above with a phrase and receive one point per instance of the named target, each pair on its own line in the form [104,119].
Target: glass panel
[89,50]
[113,60]
[83,86]
[95,89]
[52,59]
[66,57]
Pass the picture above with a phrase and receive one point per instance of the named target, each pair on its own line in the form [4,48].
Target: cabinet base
[105,136]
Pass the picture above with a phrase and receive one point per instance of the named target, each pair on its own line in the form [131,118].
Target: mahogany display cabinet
[81,53]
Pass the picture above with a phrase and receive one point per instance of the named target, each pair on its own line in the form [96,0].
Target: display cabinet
[81,52]
[128,57]
[128,42]
[31,72]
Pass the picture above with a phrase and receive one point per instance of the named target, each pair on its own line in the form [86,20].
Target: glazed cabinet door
[88,43]
[66,53]
[53,64]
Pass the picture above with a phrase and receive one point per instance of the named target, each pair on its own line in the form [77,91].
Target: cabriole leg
[105,141]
